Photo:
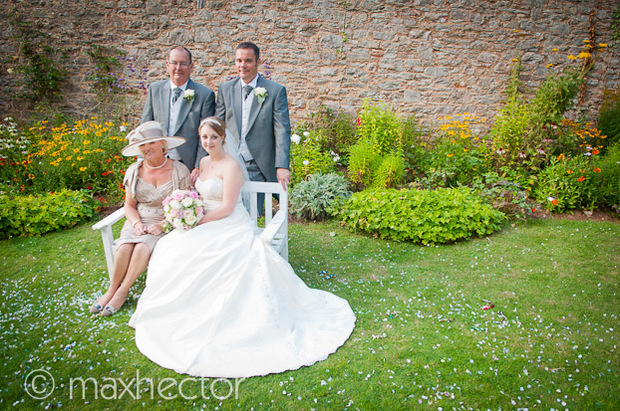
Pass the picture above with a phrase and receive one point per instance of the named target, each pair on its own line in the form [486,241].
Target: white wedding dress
[219,302]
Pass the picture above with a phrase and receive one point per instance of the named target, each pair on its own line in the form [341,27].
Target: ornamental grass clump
[311,199]
[429,217]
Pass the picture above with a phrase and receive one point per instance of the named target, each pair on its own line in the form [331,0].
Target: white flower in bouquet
[182,210]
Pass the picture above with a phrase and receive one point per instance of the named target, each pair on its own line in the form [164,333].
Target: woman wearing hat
[147,182]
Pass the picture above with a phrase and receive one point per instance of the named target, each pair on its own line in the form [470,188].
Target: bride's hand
[195,174]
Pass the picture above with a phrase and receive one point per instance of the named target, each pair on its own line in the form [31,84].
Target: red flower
[107,173]
[359,121]
[595,151]
[555,201]
[580,179]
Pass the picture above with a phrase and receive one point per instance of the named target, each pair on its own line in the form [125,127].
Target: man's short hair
[249,45]
[189,53]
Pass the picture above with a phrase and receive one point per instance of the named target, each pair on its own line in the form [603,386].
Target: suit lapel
[256,106]
[237,110]
[185,106]
[164,100]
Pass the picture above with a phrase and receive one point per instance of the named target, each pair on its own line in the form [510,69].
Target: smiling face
[179,66]
[211,140]
[246,64]
[153,152]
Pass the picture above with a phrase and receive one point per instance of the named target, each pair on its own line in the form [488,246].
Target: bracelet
[135,222]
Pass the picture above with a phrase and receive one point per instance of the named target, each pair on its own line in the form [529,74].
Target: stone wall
[425,57]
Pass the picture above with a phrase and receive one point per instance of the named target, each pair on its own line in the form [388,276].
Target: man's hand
[284,177]
[195,174]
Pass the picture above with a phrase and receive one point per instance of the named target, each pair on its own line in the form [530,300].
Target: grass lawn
[422,338]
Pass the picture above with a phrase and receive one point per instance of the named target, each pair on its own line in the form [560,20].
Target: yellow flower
[586,41]
[80,158]
[602,45]
[584,55]
[549,65]
[76,150]
[571,57]
[450,155]
[554,49]
[86,142]
[515,60]
[82,168]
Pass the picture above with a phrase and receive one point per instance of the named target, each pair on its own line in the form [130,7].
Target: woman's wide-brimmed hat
[146,133]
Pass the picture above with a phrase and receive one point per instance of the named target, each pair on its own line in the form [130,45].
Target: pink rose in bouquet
[182,210]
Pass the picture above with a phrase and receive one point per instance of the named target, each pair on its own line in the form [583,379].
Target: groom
[256,112]
[178,105]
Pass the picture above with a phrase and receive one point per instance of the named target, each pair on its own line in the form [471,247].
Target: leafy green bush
[311,198]
[456,155]
[607,182]
[389,172]
[335,130]
[609,117]
[363,158]
[32,216]
[524,131]
[307,158]
[441,216]
[575,182]
[380,132]
[509,193]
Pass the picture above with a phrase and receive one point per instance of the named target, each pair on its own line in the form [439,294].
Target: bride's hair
[216,124]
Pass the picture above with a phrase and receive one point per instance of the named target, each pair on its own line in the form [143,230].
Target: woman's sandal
[108,311]
[95,308]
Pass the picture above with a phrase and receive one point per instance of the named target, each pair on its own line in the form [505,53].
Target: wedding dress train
[218,302]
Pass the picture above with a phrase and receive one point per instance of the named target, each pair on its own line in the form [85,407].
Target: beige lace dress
[149,199]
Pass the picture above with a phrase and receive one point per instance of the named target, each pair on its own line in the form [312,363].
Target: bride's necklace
[155,167]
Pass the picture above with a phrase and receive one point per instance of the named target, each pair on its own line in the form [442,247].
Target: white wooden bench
[274,231]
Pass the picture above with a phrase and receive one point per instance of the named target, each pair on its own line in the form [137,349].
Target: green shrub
[457,155]
[380,131]
[525,131]
[607,182]
[441,216]
[311,198]
[509,193]
[575,182]
[363,158]
[32,216]
[335,129]
[609,117]
[307,158]
[390,171]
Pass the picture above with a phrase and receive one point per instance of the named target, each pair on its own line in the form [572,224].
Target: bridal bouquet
[182,209]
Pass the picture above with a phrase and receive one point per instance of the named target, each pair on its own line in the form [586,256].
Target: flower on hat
[188,95]
[261,94]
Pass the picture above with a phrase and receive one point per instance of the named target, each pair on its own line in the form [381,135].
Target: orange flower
[561,157]
[595,151]
[107,173]
[597,170]
[581,178]
[554,201]
[570,172]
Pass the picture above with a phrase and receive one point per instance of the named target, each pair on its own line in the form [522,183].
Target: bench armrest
[110,220]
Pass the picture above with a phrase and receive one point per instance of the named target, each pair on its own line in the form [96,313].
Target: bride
[218,302]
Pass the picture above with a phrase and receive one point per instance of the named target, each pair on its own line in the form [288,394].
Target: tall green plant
[379,149]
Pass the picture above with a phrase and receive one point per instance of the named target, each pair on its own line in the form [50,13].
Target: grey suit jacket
[269,130]
[157,108]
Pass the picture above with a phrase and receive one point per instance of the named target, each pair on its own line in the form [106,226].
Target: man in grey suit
[178,105]
[256,112]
